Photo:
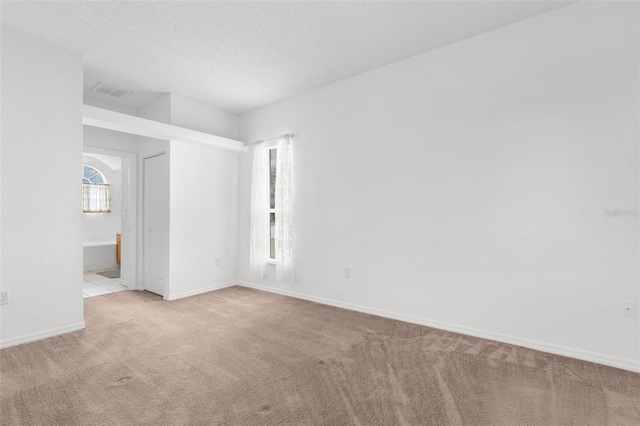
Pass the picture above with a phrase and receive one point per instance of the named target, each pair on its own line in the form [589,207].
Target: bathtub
[99,252]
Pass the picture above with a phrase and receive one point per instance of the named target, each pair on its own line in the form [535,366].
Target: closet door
[156,223]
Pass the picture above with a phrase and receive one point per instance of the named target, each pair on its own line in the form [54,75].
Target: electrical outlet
[627,308]
[347,272]
[4,297]
[217,261]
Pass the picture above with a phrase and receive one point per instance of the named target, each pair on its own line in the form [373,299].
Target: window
[92,175]
[273,158]
[272,210]
[96,193]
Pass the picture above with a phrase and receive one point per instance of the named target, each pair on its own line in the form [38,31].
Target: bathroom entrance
[108,187]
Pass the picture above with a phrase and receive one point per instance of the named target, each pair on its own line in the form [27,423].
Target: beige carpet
[244,357]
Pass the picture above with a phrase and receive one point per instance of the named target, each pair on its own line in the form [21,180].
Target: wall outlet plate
[4,297]
[347,272]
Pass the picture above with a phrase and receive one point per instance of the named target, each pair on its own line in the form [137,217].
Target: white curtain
[96,198]
[284,211]
[259,245]
[259,233]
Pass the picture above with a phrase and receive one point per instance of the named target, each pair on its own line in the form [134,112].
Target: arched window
[96,193]
[92,175]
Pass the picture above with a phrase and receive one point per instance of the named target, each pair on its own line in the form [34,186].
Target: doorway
[109,238]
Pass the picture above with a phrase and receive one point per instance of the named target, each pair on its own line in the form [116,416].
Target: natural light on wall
[96,193]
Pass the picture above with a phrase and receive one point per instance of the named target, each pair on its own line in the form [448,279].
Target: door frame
[129,245]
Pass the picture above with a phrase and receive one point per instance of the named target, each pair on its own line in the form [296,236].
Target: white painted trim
[106,119]
[625,364]
[27,338]
[199,291]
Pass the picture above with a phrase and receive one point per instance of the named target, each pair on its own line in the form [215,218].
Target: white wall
[99,101]
[203,202]
[203,219]
[41,165]
[195,115]
[466,187]
[158,110]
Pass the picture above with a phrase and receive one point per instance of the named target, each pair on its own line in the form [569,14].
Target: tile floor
[97,285]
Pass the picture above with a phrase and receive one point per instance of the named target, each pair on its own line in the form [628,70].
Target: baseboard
[622,363]
[199,291]
[41,335]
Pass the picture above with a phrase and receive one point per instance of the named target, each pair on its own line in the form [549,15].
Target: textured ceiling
[241,55]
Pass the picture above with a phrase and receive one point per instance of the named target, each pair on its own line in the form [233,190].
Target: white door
[156,223]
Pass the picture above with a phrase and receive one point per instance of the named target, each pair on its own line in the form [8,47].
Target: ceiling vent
[110,90]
